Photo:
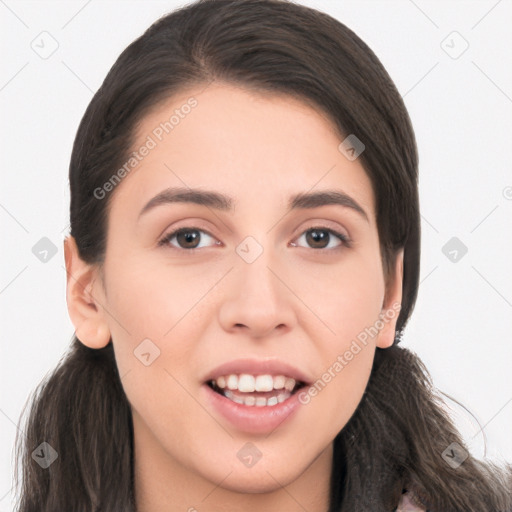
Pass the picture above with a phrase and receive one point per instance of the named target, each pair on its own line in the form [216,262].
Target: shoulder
[409,502]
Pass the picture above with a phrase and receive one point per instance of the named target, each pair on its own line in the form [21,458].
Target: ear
[392,303]
[83,295]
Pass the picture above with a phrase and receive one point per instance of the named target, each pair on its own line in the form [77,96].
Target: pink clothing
[409,503]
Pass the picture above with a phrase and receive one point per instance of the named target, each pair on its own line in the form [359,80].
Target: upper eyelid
[315,223]
[318,225]
[167,236]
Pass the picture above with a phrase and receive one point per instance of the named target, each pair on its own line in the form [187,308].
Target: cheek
[149,311]
[150,298]
[345,298]
[349,384]
[335,394]
[348,300]
[153,311]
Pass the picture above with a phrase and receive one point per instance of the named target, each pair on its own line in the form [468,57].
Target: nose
[258,299]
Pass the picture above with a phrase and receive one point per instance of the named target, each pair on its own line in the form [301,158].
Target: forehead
[248,144]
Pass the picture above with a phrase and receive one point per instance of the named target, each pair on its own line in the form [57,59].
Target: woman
[243,259]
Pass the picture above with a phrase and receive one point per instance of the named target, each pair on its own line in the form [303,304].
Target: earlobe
[392,304]
[84,298]
[92,333]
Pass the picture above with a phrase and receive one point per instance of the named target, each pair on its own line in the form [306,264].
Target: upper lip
[258,367]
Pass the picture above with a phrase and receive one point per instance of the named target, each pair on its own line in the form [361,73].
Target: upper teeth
[247,383]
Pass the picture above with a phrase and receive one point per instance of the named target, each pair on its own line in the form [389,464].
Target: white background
[461,109]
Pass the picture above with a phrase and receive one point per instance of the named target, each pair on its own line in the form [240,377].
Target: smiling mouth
[256,398]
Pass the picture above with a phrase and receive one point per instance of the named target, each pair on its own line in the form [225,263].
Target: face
[247,280]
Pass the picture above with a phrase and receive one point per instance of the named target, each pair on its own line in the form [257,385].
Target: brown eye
[185,238]
[188,239]
[323,238]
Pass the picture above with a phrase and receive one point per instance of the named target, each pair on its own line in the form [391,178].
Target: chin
[255,481]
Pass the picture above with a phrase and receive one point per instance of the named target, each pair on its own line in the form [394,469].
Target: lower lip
[252,419]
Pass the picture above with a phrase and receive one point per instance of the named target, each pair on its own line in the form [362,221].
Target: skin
[299,303]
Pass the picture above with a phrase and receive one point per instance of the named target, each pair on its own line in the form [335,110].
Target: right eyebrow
[207,198]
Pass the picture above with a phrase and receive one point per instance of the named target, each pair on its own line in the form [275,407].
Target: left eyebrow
[218,201]
[324,198]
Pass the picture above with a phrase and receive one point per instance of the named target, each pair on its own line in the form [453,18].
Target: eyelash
[344,239]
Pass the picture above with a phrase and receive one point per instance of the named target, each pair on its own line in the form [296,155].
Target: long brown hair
[397,435]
